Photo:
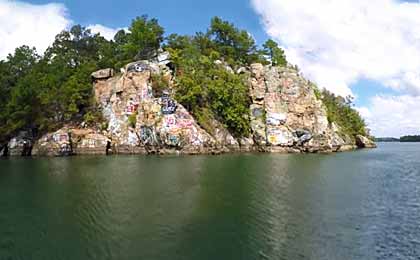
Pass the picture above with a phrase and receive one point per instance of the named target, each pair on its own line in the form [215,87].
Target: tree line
[42,92]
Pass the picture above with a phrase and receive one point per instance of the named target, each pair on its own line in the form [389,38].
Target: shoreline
[169,152]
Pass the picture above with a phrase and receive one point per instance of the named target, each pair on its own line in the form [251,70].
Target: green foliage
[143,40]
[43,93]
[210,92]
[340,111]
[276,54]
[160,83]
[235,45]
[132,120]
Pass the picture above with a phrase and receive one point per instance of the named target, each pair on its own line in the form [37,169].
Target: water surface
[356,205]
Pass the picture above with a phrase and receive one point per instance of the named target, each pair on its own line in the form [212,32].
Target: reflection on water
[358,205]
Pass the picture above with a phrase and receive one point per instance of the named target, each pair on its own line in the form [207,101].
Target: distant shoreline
[402,139]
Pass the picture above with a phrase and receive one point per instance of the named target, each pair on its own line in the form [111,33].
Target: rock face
[364,142]
[71,141]
[54,144]
[286,115]
[141,122]
[89,142]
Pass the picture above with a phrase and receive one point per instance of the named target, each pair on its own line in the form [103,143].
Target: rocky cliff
[286,116]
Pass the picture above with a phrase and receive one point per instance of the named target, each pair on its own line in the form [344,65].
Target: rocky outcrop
[89,142]
[71,141]
[21,145]
[140,121]
[286,115]
[54,144]
[364,142]
[142,118]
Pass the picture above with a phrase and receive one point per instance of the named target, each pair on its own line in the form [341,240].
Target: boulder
[246,144]
[102,74]
[364,142]
[21,145]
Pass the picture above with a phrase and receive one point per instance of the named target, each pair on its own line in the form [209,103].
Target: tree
[276,54]
[235,45]
[144,39]
[210,92]
[12,72]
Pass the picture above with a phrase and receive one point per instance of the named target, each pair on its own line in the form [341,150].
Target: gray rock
[21,145]
[364,142]
[103,74]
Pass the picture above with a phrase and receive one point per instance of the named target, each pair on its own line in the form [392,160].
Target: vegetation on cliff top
[340,110]
[43,92]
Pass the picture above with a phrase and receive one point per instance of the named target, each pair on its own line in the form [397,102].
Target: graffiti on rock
[131,108]
[303,135]
[168,106]
[257,112]
[138,67]
[59,138]
[169,121]
[132,138]
[148,136]
[146,93]
[276,119]
[278,137]
[173,140]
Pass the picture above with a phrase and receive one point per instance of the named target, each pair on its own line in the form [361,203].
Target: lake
[355,205]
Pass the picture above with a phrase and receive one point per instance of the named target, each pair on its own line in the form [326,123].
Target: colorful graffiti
[131,108]
[278,137]
[168,106]
[146,93]
[169,121]
[148,136]
[173,140]
[184,123]
[60,138]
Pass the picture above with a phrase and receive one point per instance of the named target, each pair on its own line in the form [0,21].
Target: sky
[367,49]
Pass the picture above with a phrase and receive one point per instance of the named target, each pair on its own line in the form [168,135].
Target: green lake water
[356,205]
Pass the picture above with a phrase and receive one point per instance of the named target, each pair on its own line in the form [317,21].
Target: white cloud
[32,25]
[336,43]
[393,116]
[36,25]
[106,32]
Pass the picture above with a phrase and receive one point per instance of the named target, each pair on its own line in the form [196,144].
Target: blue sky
[180,16]
[369,49]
